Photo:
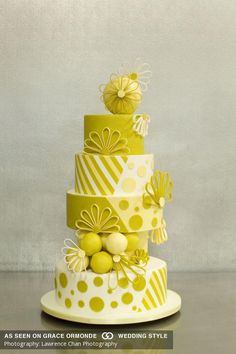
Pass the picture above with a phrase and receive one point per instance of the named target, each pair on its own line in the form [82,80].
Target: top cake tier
[113,134]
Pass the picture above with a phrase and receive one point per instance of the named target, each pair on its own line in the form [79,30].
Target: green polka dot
[59,294]
[114,304]
[146,205]
[80,303]
[139,283]
[55,283]
[134,308]
[154,222]
[136,209]
[97,281]
[127,298]
[63,280]
[135,222]
[68,303]
[96,304]
[124,204]
[109,291]
[123,283]
[82,286]
[72,292]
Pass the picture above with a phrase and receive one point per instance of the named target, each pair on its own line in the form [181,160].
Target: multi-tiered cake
[106,274]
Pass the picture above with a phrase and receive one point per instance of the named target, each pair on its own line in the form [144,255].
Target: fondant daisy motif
[74,256]
[141,122]
[158,190]
[107,143]
[138,71]
[98,220]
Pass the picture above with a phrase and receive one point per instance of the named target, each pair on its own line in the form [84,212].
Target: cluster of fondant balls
[100,249]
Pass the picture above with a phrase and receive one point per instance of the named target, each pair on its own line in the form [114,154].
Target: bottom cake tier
[87,293]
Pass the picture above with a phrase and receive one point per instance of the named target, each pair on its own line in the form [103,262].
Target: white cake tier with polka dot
[112,175]
[86,293]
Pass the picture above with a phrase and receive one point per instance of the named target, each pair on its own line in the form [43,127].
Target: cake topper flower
[74,256]
[141,124]
[138,71]
[158,189]
[98,221]
[107,143]
[121,95]
[159,235]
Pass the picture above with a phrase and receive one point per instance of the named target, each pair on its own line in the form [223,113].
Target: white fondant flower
[138,71]
[74,256]
[141,122]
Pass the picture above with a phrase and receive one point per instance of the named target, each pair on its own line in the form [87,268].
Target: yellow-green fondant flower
[98,221]
[140,256]
[138,71]
[122,264]
[121,95]
[74,256]
[159,235]
[158,189]
[140,125]
[107,143]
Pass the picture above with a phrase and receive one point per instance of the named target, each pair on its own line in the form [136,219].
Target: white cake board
[51,307]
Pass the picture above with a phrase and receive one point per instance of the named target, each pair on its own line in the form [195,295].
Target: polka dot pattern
[127,298]
[96,304]
[141,172]
[129,185]
[80,303]
[98,281]
[82,286]
[123,283]
[139,283]
[63,280]
[114,304]
[154,222]
[59,294]
[135,222]
[124,204]
[68,303]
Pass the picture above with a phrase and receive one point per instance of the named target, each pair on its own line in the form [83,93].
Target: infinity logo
[107,335]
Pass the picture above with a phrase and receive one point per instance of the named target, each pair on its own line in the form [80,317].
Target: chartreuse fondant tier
[87,293]
[117,126]
[112,175]
[133,214]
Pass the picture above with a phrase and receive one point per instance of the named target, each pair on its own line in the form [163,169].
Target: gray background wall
[54,55]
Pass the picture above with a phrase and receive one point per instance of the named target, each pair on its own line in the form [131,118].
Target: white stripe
[96,190]
[158,289]
[106,173]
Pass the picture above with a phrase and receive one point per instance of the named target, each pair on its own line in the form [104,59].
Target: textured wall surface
[53,56]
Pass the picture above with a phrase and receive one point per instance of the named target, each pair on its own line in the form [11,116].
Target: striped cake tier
[112,175]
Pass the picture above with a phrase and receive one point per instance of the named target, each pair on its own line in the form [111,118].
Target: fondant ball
[116,243]
[91,243]
[122,95]
[104,240]
[101,262]
[133,241]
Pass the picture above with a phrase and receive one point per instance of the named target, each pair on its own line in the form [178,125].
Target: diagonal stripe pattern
[97,175]
[155,294]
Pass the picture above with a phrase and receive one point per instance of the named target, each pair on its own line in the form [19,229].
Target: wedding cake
[105,274]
